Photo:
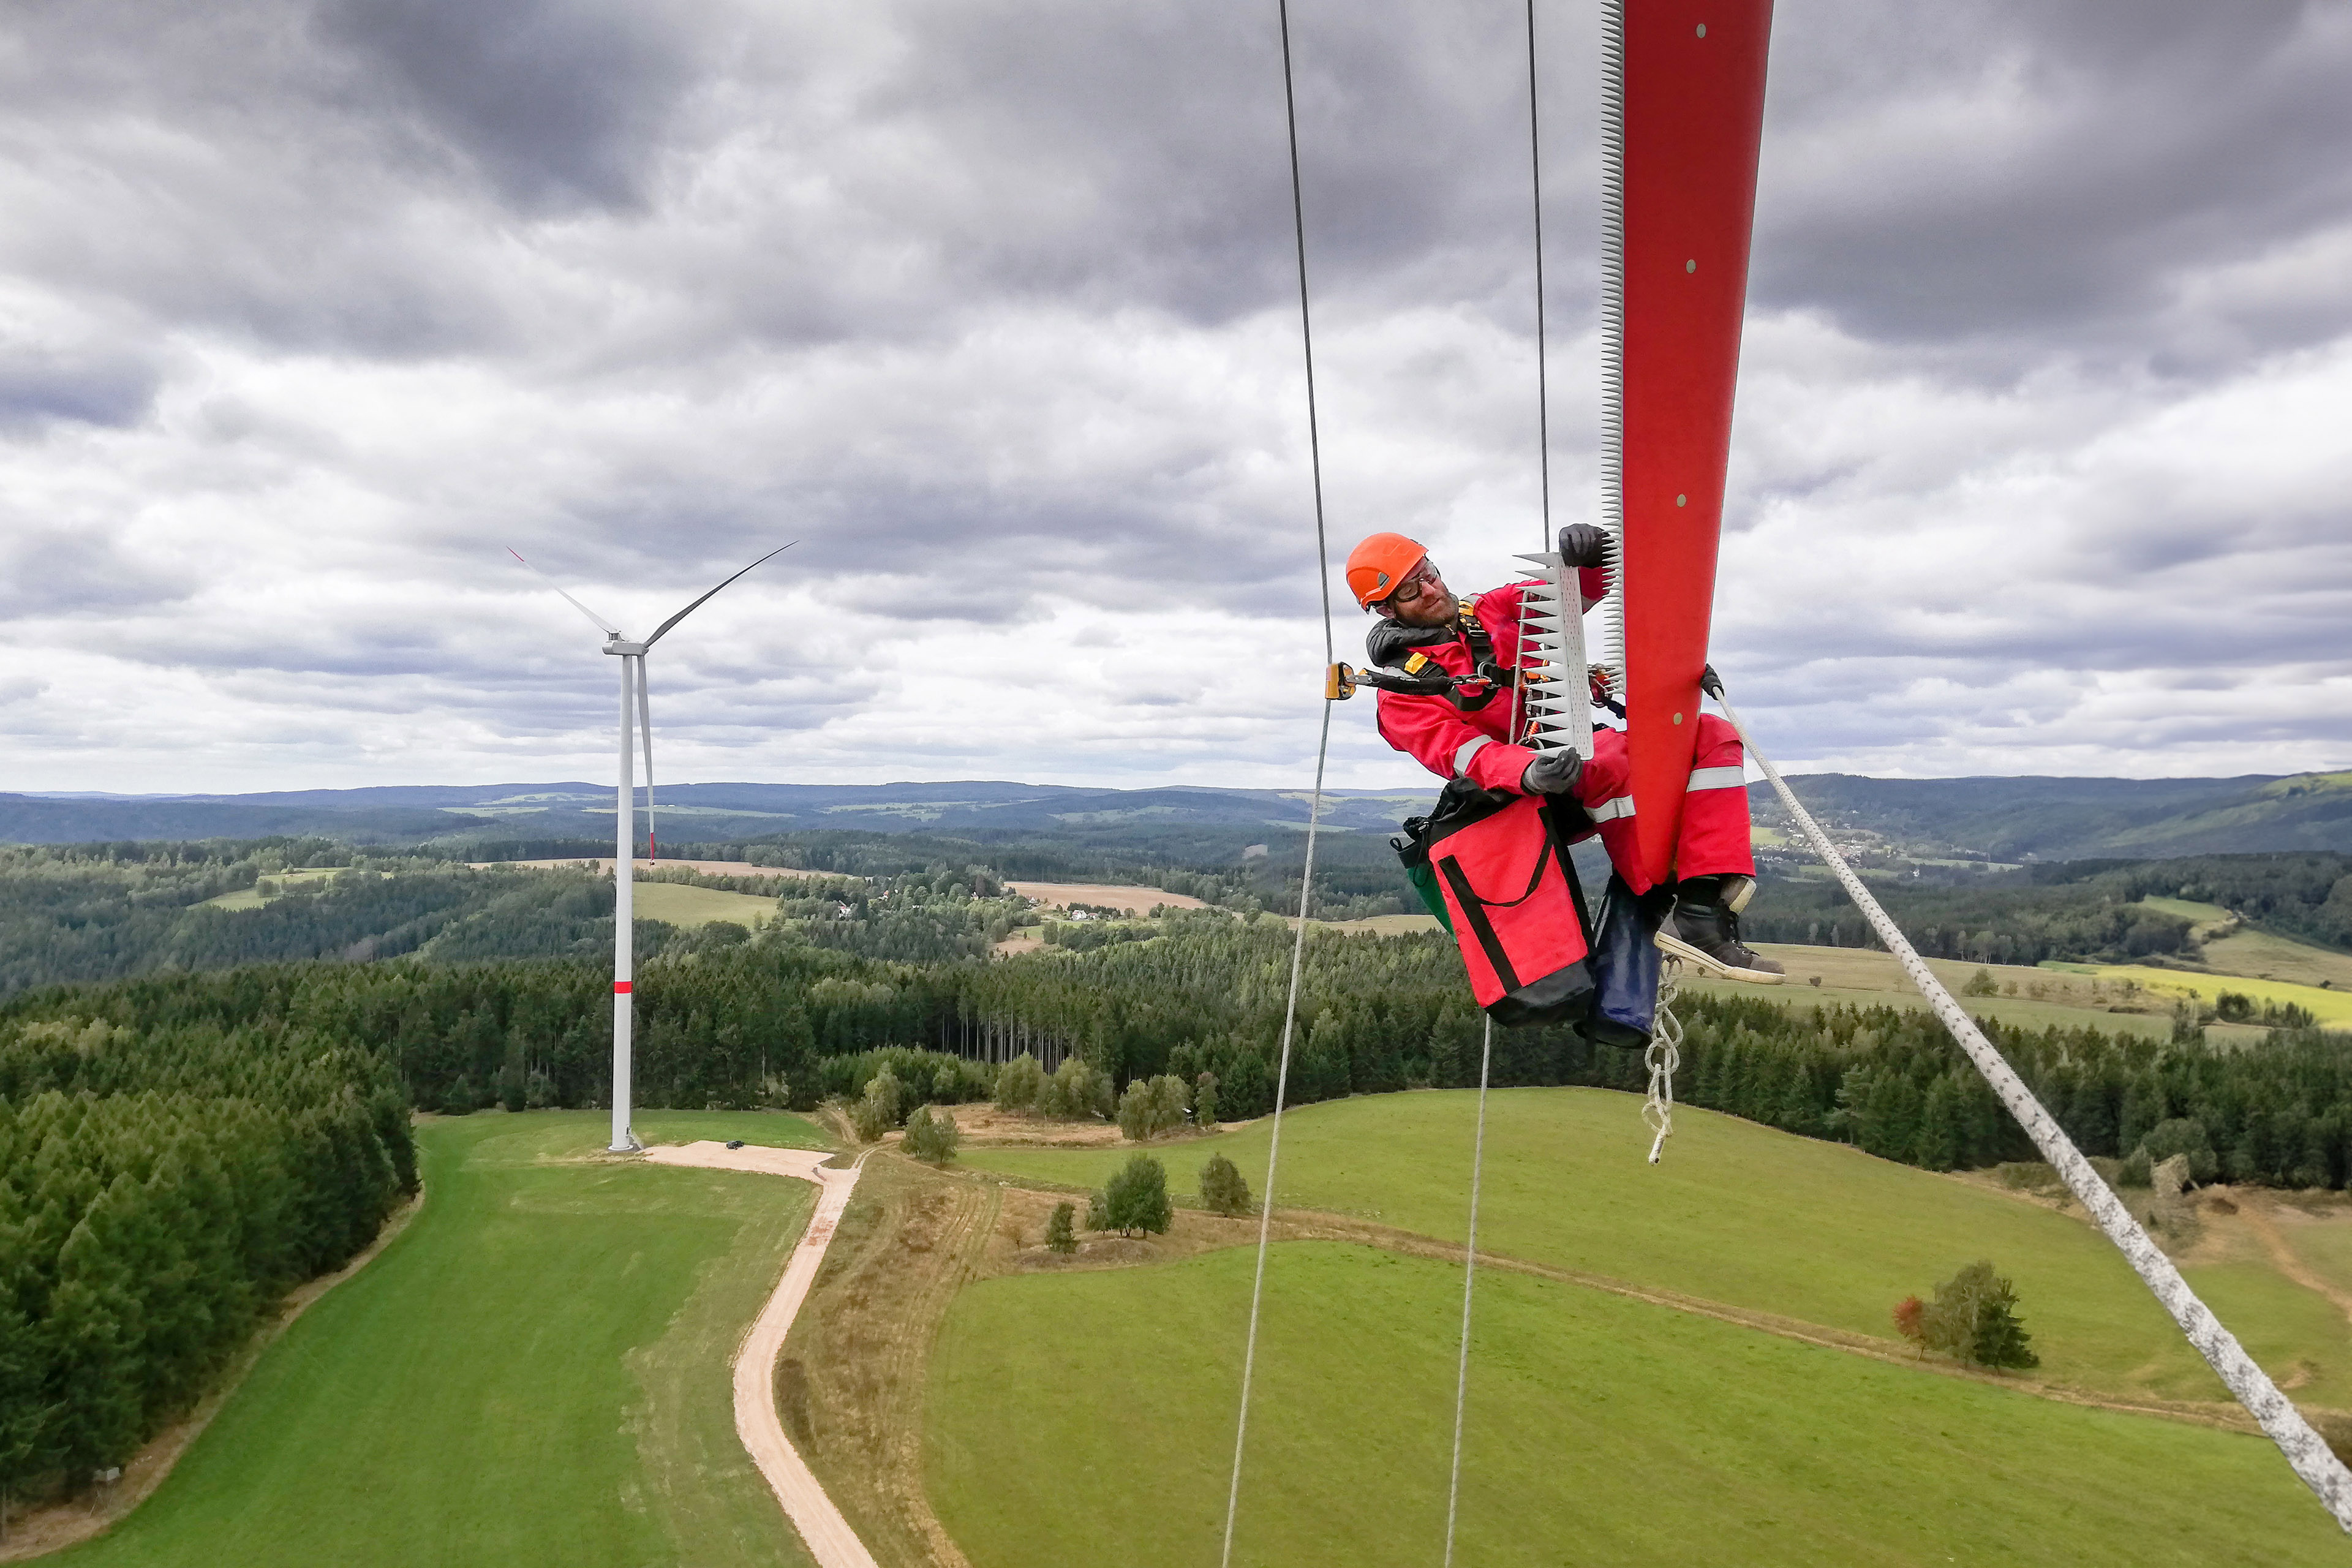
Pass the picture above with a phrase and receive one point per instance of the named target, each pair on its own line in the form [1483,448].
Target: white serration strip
[1612,332]
[1553,689]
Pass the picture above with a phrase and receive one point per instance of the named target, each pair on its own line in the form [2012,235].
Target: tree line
[778,1018]
[161,1188]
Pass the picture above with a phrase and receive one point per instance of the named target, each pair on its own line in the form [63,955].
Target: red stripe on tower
[1694,118]
[621,988]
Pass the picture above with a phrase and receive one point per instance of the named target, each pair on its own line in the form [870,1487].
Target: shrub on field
[1018,1083]
[1981,983]
[1974,1319]
[1910,1321]
[1151,1106]
[933,1136]
[876,1111]
[1060,1235]
[1204,1101]
[462,1098]
[2183,1135]
[1077,1089]
[1222,1191]
[1137,1198]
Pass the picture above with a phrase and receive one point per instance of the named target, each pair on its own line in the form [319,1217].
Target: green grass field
[1865,977]
[535,1372]
[1740,1215]
[1601,1431]
[683,905]
[253,897]
[2261,955]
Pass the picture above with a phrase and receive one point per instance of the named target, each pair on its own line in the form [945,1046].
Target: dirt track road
[829,1538]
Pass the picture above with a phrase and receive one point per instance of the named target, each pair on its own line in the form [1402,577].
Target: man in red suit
[1473,731]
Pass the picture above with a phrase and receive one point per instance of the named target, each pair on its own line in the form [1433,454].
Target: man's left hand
[1584,545]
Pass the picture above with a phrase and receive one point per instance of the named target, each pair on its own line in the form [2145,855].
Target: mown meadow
[533,1373]
[1600,1430]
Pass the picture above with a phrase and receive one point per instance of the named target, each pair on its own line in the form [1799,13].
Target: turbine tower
[632,656]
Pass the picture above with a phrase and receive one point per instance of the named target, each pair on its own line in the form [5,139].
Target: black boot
[1706,931]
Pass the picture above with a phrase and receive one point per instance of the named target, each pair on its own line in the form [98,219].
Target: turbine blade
[698,604]
[645,727]
[607,627]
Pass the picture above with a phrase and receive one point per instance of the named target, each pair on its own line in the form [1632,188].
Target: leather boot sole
[1707,963]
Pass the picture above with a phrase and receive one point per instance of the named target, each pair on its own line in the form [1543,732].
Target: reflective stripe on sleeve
[1718,778]
[1611,810]
[1470,749]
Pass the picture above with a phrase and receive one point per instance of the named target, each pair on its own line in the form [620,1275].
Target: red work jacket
[1477,746]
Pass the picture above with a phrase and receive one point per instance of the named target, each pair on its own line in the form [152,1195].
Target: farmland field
[681,904]
[2333,1008]
[535,1372]
[1744,1215]
[1600,1430]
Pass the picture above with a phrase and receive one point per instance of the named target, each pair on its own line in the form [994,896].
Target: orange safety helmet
[1376,566]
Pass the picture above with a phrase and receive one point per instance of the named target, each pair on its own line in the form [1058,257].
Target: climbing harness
[2305,1449]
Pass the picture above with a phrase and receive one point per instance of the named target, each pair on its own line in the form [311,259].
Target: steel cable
[1486,1046]
[2305,1449]
[1315,807]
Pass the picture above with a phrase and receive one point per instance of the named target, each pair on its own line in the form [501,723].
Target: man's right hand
[1554,772]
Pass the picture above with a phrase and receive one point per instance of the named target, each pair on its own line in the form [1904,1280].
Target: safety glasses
[1417,582]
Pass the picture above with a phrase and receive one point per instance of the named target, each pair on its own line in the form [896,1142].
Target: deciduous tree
[1137,1198]
[933,1136]
[1222,1191]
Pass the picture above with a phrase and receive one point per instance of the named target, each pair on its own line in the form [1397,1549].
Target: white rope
[1469,1279]
[2309,1455]
[1314,810]
[1274,1144]
[1665,1055]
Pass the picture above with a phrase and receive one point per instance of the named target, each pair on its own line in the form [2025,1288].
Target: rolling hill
[2001,819]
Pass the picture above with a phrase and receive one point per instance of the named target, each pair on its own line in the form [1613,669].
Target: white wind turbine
[633,680]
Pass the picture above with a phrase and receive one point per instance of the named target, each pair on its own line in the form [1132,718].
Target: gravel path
[829,1538]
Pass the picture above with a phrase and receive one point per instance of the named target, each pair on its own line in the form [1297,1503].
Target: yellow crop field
[2332,1009]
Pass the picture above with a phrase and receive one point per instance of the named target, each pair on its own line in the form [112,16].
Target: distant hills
[2004,819]
[414,814]
[2013,819]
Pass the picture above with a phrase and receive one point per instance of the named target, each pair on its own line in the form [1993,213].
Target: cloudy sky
[309,310]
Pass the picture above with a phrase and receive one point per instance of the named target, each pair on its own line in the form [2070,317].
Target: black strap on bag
[1473,909]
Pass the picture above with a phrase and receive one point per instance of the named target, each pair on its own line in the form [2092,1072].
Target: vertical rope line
[1486,1046]
[2304,1450]
[1469,1279]
[1315,806]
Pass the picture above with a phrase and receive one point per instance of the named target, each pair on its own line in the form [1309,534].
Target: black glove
[1711,683]
[1553,773]
[1582,545]
[1390,644]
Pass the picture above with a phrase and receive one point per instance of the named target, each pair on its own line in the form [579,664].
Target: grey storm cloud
[555,102]
[1995,168]
[309,308]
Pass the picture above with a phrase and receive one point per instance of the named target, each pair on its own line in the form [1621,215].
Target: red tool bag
[1500,864]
